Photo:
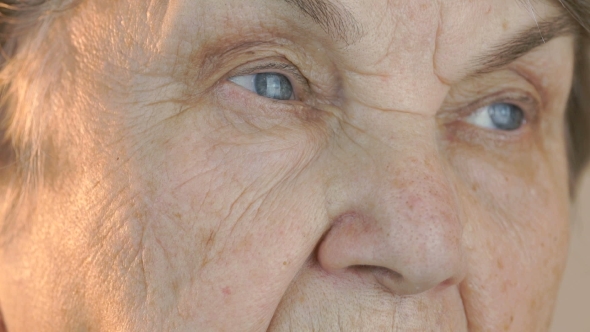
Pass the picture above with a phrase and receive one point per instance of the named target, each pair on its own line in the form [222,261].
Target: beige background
[573,306]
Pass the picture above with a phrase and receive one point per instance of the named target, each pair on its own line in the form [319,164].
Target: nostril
[448,283]
[389,279]
[396,284]
[379,270]
[383,272]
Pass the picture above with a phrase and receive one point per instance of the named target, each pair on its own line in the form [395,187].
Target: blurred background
[573,305]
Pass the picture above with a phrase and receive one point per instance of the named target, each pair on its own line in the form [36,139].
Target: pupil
[506,116]
[272,85]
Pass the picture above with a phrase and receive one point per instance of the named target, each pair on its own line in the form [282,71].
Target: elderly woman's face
[298,165]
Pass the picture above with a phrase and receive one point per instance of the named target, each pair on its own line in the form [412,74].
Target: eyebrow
[336,20]
[513,48]
[341,24]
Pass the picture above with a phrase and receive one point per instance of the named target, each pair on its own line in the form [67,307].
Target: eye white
[498,116]
[245,81]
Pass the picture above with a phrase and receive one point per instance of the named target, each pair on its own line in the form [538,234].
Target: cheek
[516,235]
[230,209]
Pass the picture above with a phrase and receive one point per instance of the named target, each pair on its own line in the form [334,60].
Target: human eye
[498,116]
[269,85]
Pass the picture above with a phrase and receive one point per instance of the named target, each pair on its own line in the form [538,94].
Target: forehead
[351,19]
[450,26]
[347,21]
[338,17]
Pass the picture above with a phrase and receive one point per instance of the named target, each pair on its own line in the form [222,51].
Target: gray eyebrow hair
[336,20]
[509,50]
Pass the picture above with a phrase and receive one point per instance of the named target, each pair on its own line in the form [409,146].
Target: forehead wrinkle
[336,20]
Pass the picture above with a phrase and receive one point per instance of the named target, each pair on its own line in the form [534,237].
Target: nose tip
[407,250]
[401,271]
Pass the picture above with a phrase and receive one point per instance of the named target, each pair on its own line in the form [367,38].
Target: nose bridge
[414,201]
[405,167]
[407,221]
[412,183]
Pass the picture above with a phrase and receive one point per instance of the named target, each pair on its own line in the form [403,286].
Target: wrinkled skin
[368,202]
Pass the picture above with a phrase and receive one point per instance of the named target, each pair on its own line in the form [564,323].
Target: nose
[400,222]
